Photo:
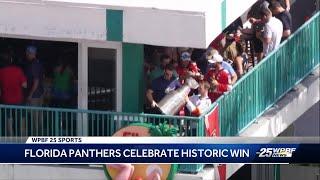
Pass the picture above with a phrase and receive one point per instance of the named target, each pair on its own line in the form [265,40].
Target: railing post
[56,123]
[82,124]
[1,120]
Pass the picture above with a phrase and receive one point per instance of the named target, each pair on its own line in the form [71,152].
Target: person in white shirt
[198,104]
[272,31]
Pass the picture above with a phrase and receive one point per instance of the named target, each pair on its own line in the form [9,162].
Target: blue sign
[159,153]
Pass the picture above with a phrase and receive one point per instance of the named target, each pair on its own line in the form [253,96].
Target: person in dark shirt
[284,16]
[35,73]
[254,18]
[159,85]
[284,3]
[256,8]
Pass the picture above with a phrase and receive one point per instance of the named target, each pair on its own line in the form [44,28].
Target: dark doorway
[50,53]
[102,79]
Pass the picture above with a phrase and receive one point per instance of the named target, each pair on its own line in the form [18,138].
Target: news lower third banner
[168,150]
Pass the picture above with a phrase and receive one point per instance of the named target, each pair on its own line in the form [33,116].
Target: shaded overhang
[173,23]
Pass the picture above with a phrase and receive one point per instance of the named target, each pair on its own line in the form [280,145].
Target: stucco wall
[52,21]
[157,22]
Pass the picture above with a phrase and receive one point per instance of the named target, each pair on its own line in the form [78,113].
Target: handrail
[93,111]
[274,62]
[273,52]
[71,122]
[243,80]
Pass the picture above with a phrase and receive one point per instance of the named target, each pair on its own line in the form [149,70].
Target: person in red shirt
[188,65]
[219,42]
[12,80]
[218,78]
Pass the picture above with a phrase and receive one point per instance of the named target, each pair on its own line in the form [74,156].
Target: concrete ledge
[206,174]
[284,113]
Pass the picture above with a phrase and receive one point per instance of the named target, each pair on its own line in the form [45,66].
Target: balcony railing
[43,121]
[271,79]
[251,96]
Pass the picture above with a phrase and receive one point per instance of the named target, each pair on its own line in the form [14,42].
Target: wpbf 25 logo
[276,152]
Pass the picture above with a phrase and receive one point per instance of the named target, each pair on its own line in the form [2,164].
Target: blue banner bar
[159,153]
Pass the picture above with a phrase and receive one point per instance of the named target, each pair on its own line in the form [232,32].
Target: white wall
[192,23]
[167,28]
[175,23]
[52,21]
[176,5]
[213,21]
[236,8]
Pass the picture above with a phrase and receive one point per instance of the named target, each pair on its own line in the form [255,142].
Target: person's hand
[186,98]
[238,33]
[154,104]
[288,8]
[168,90]
[214,82]
[252,20]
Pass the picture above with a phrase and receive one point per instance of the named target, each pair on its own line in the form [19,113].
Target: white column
[82,121]
[118,47]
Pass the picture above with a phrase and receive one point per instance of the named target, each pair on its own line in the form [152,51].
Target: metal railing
[264,85]
[250,97]
[19,121]
[43,121]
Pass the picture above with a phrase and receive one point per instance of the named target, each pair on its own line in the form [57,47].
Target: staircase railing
[251,96]
[264,85]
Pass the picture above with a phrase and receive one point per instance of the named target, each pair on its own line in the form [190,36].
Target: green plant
[163,129]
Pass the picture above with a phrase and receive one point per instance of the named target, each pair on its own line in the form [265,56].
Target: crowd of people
[219,67]
[216,69]
[22,83]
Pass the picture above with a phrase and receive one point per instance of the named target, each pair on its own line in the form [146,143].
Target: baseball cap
[210,52]
[185,56]
[216,58]
[31,49]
